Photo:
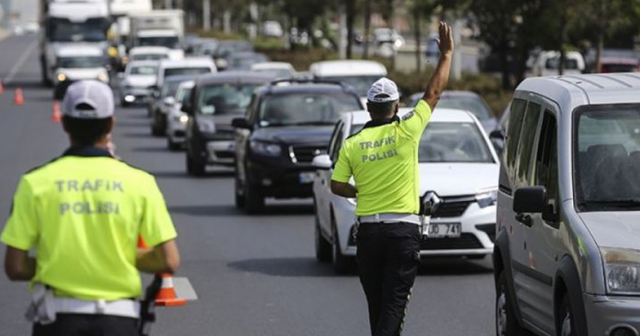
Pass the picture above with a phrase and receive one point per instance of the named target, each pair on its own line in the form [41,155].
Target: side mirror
[497,135]
[187,108]
[169,101]
[322,162]
[240,123]
[430,204]
[530,200]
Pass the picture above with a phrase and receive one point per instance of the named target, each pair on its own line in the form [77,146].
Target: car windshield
[170,42]
[63,30]
[361,84]
[150,57]
[608,158]
[306,108]
[144,70]
[569,63]
[81,62]
[453,142]
[185,71]
[169,88]
[225,98]
[276,73]
[473,104]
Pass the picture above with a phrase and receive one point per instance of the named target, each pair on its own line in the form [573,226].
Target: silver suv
[567,251]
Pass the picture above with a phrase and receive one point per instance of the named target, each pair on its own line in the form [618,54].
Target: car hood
[80,74]
[458,179]
[614,229]
[141,81]
[295,134]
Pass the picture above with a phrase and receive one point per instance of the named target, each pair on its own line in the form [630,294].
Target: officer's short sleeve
[21,229]
[342,171]
[156,226]
[414,122]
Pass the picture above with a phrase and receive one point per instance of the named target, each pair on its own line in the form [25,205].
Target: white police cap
[383,91]
[88,99]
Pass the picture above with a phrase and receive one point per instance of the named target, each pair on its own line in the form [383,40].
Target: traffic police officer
[383,160]
[83,213]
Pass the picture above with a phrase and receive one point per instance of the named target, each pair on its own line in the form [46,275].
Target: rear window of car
[186,71]
[296,109]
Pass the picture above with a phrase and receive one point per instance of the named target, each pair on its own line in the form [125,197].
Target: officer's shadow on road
[309,267]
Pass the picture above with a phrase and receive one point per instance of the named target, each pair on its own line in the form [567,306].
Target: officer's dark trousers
[88,325]
[388,261]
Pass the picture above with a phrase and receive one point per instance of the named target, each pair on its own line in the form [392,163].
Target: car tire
[322,246]
[506,322]
[239,198]
[194,167]
[341,263]
[566,323]
[172,145]
[253,200]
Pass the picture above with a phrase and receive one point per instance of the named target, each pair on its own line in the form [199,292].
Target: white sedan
[456,162]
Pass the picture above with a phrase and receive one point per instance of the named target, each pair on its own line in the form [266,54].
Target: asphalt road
[255,275]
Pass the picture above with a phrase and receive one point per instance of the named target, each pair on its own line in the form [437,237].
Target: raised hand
[445,42]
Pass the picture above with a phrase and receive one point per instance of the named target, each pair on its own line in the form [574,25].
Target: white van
[567,250]
[547,63]
[358,74]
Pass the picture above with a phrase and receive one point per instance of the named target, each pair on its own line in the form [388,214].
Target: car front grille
[224,134]
[305,154]
[467,241]
[452,207]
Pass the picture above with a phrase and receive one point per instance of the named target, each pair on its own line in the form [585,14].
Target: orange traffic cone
[18,98]
[55,112]
[167,295]
[1,88]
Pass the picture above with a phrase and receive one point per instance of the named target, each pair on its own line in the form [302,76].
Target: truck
[121,10]
[69,22]
[164,28]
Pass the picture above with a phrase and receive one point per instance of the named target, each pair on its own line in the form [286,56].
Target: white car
[456,162]
[275,69]
[547,63]
[147,54]
[187,66]
[358,74]
[78,62]
[136,82]
[176,119]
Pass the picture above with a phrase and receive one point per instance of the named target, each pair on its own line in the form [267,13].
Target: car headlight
[487,198]
[221,63]
[266,148]
[622,270]
[183,118]
[103,77]
[62,77]
[206,126]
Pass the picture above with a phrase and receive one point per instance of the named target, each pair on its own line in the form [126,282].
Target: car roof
[304,88]
[149,50]
[234,77]
[187,62]
[79,50]
[180,78]
[142,63]
[347,68]
[188,84]
[271,65]
[572,91]
[440,115]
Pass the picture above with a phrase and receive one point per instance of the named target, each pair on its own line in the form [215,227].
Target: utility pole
[456,64]
[206,15]
[342,33]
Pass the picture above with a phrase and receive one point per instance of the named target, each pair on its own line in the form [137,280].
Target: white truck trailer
[68,22]
[121,11]
[163,28]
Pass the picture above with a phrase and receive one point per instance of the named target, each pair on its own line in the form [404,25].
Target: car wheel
[323,247]
[566,321]
[239,197]
[253,201]
[172,145]
[341,263]
[194,167]
[506,323]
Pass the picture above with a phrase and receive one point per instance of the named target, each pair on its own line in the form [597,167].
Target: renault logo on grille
[430,203]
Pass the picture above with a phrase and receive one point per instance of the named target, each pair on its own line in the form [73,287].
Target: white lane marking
[20,62]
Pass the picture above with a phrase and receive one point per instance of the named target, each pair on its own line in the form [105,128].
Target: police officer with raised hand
[383,160]
[83,214]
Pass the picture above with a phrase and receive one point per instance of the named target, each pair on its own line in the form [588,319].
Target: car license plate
[307,177]
[443,230]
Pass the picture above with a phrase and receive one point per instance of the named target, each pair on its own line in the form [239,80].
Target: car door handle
[524,219]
